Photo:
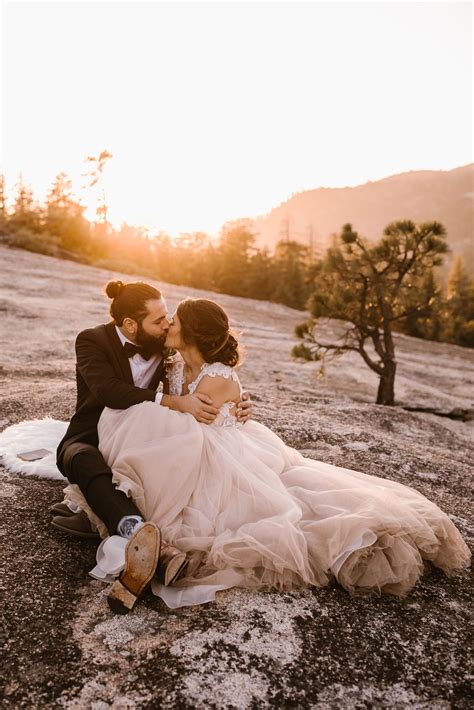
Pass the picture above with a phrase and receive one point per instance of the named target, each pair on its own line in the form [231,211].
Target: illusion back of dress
[175,374]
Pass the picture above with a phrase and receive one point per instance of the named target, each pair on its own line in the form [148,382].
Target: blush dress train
[250,511]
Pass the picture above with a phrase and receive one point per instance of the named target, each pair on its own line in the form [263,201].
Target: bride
[247,509]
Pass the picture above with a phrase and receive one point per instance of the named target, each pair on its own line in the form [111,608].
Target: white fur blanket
[28,436]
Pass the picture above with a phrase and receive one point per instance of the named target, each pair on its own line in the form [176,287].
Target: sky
[217,111]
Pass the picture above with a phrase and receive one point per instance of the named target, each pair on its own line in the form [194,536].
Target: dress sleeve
[174,374]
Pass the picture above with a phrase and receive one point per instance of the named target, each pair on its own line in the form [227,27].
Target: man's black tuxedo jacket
[104,379]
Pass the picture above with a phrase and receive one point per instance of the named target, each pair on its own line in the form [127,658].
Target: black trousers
[84,465]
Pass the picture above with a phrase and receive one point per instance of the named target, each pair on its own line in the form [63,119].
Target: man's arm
[99,376]
[221,389]
[200,403]
[197,404]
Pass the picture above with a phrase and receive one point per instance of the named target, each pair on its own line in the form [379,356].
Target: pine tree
[3,207]
[95,176]
[290,262]
[262,275]
[427,321]
[27,214]
[371,289]
[64,218]
[232,256]
[460,305]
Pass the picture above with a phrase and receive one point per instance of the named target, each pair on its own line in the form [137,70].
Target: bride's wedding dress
[250,511]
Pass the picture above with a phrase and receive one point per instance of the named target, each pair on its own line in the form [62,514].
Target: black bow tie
[130,350]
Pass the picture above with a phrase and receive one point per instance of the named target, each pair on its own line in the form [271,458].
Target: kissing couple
[191,495]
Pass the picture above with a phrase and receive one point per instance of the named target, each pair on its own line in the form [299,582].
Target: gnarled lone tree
[371,287]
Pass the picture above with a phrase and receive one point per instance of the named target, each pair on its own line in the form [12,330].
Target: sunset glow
[218,111]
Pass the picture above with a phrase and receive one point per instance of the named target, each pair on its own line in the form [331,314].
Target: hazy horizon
[220,111]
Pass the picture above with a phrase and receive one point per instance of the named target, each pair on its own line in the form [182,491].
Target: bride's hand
[244,408]
[200,406]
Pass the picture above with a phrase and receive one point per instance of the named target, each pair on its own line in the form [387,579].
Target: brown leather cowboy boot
[171,565]
[141,559]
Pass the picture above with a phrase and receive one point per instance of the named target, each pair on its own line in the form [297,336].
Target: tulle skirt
[250,511]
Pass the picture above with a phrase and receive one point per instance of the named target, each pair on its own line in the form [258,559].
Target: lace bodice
[175,374]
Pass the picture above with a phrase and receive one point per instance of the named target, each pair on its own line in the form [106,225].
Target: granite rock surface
[316,648]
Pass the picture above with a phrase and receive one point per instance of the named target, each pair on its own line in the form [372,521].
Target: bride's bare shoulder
[220,383]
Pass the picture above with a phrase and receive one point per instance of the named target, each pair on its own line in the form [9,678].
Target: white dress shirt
[142,370]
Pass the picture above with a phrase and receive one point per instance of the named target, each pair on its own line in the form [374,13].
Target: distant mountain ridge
[312,216]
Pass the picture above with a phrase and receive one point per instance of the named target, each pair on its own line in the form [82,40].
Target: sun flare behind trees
[235,265]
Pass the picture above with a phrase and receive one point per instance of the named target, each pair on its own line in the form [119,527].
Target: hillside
[312,216]
[319,648]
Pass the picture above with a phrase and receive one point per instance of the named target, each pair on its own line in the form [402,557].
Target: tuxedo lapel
[158,375]
[160,371]
[117,348]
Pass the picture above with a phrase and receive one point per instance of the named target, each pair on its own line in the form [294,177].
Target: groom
[120,364]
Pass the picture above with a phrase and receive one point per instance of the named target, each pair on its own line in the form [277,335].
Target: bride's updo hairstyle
[206,325]
[129,300]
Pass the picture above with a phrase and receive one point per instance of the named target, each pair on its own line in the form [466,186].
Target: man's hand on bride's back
[197,404]
[244,408]
[200,406]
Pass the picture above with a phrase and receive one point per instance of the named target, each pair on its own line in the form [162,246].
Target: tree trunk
[386,391]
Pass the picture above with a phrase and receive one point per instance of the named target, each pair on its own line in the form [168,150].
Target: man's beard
[150,342]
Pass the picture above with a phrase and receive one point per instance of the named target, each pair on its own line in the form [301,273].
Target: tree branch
[359,348]
[373,365]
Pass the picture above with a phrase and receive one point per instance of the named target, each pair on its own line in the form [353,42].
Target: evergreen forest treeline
[233,264]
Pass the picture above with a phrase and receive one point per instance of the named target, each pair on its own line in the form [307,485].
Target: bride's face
[173,337]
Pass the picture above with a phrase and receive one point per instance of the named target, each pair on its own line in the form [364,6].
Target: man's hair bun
[130,300]
[113,288]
